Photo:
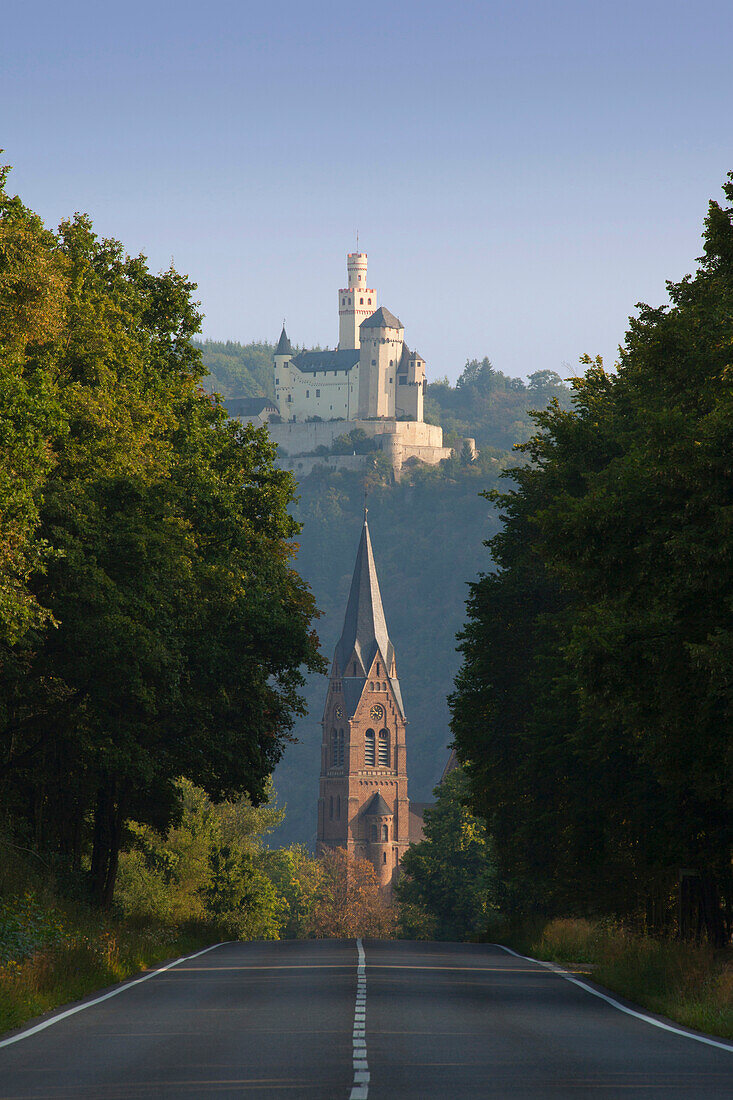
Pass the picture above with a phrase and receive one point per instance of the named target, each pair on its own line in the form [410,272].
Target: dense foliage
[448,889]
[238,370]
[593,709]
[151,623]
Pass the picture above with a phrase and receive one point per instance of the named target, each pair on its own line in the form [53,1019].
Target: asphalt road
[414,1020]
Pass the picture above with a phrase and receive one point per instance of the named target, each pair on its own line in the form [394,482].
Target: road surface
[338,1019]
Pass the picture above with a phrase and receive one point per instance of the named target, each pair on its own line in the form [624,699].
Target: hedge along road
[339,1019]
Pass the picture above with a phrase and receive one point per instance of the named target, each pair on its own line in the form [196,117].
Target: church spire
[365,628]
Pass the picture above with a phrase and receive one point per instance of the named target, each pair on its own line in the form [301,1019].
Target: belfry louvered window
[383,749]
[341,748]
[334,748]
[369,757]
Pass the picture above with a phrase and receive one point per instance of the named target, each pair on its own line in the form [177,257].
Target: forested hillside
[427,533]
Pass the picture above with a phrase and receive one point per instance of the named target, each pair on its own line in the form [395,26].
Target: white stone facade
[371,380]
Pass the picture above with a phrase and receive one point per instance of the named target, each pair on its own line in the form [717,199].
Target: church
[371,381]
[363,804]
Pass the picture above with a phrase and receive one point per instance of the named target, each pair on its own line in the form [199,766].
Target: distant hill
[428,532]
[239,370]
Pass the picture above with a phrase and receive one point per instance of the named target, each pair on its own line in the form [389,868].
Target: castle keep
[363,804]
[371,381]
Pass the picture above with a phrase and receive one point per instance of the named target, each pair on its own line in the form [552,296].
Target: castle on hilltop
[363,805]
[371,381]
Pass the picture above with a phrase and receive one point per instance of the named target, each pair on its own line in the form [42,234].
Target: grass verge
[690,984]
[51,955]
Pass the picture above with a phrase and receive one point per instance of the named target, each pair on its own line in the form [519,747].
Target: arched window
[334,749]
[369,301]
[371,685]
[375,834]
[369,757]
[338,807]
[384,857]
[330,808]
[341,748]
[385,832]
[383,759]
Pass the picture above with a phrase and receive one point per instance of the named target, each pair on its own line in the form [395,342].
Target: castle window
[318,393]
[391,363]
[330,808]
[349,301]
[384,857]
[385,832]
[343,301]
[377,668]
[383,759]
[290,397]
[277,381]
[375,833]
[307,393]
[371,685]
[369,301]
[361,301]
[369,757]
[374,362]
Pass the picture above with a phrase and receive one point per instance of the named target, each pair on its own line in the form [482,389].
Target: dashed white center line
[360,1088]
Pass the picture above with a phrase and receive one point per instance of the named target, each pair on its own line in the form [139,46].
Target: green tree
[181,624]
[448,887]
[617,687]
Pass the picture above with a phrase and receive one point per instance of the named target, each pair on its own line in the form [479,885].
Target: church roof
[284,346]
[382,319]
[311,361]
[376,807]
[365,627]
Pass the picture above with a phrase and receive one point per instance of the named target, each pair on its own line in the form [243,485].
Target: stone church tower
[363,804]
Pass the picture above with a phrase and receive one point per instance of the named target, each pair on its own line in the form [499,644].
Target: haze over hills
[428,532]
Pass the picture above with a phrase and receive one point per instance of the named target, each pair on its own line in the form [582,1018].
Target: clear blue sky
[520,173]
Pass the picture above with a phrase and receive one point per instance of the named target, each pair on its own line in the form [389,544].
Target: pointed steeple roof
[365,628]
[284,347]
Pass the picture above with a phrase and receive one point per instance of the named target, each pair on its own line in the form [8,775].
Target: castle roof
[249,406]
[404,358]
[382,319]
[377,807]
[311,361]
[284,346]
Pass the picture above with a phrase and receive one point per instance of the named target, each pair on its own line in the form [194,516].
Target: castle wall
[329,394]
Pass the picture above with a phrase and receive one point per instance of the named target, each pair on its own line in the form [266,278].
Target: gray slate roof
[249,406]
[382,319]
[284,347]
[310,361]
[376,807]
[365,628]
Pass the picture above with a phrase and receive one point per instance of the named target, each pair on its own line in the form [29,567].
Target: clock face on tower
[376,713]
[339,712]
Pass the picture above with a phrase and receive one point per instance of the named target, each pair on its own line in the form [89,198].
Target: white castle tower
[356,301]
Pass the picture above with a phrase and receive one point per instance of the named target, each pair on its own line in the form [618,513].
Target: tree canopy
[593,708]
[151,622]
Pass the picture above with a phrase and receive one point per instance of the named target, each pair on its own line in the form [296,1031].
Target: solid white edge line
[617,1004]
[105,997]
